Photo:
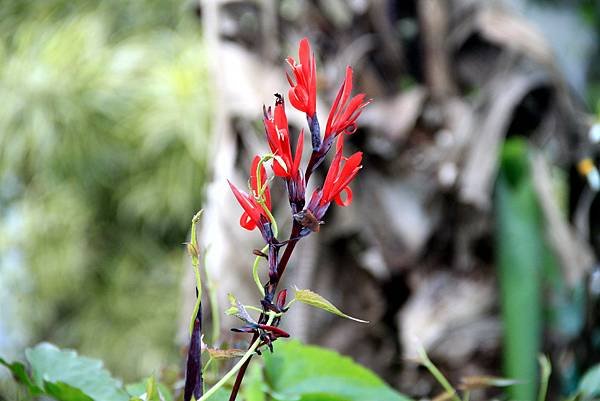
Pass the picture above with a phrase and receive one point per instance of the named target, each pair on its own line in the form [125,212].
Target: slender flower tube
[303,91]
[342,119]
[278,136]
[344,111]
[254,213]
[341,172]
[284,165]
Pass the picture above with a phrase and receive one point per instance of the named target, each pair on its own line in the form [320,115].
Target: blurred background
[475,226]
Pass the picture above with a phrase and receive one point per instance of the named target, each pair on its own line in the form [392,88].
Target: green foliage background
[103,144]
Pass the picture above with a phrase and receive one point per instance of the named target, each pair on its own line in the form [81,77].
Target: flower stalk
[286,164]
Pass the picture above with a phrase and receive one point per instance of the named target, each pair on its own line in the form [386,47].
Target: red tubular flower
[344,111]
[254,215]
[341,172]
[340,175]
[303,92]
[278,136]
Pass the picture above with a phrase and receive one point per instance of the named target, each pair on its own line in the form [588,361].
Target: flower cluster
[287,164]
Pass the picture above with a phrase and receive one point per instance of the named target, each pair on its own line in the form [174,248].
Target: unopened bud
[307,219]
[281,299]
[258,252]
[192,250]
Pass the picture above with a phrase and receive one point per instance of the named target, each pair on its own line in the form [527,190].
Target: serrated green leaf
[51,366]
[589,386]
[315,300]
[308,373]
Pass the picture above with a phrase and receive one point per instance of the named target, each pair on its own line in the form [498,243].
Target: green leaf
[221,394]
[520,258]
[308,373]
[254,388]
[61,372]
[313,299]
[589,386]
[137,390]
[151,390]
[63,392]
[19,372]
[546,371]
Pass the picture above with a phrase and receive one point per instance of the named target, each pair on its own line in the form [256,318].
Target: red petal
[246,203]
[247,222]
[279,170]
[339,145]
[349,171]
[280,118]
[340,201]
[353,106]
[298,155]
[313,88]
[332,175]
[304,55]
[337,105]
[294,100]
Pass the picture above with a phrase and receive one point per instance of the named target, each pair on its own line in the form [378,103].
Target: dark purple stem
[193,375]
[270,288]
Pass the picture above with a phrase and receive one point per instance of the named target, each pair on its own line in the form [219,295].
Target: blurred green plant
[520,247]
[534,296]
[104,131]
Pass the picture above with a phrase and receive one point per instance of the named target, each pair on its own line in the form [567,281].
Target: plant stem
[435,372]
[546,369]
[272,288]
[255,272]
[288,250]
[242,363]
[238,380]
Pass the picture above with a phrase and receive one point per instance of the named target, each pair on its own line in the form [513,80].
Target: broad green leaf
[62,371]
[589,386]
[221,394]
[313,299]
[254,387]
[308,373]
